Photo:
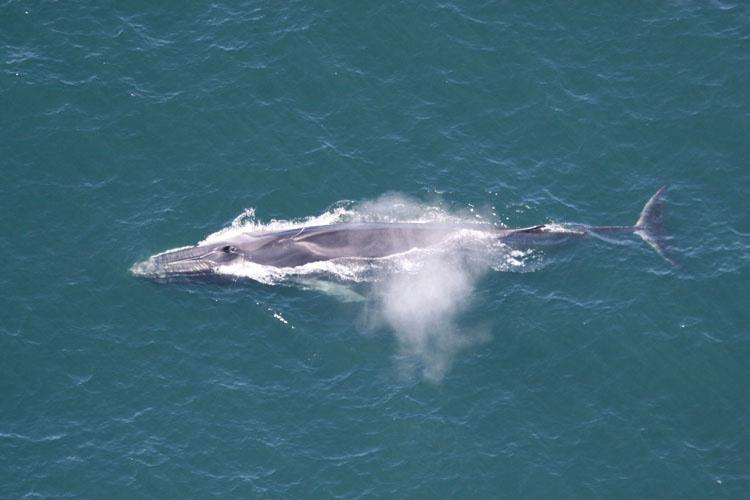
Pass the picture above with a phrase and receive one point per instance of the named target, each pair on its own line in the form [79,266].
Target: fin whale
[296,247]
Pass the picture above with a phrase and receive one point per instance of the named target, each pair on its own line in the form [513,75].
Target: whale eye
[228,249]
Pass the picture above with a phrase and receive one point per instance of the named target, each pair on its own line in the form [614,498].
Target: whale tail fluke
[650,225]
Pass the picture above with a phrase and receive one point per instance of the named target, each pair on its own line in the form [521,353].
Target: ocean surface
[590,370]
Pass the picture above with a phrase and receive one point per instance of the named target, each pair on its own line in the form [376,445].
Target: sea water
[592,370]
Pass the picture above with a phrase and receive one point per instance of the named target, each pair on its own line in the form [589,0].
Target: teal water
[589,371]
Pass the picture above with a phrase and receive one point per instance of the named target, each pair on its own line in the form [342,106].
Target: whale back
[299,246]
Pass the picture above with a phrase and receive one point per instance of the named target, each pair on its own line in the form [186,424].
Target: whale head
[188,263]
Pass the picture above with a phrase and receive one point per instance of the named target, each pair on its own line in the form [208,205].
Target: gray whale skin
[296,247]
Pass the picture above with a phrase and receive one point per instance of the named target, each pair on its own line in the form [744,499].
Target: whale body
[300,246]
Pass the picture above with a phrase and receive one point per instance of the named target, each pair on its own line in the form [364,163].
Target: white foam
[247,222]
[355,270]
